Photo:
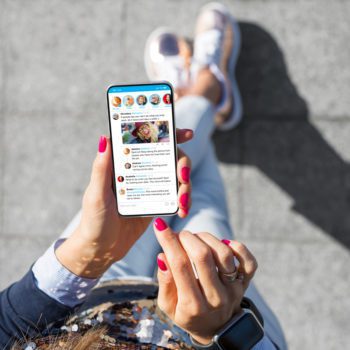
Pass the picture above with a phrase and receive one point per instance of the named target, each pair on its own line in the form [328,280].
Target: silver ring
[229,277]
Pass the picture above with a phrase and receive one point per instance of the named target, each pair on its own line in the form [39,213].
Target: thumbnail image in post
[145,132]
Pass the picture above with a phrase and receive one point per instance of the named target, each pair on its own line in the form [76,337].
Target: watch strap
[246,303]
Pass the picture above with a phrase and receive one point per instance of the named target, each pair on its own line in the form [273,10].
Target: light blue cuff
[264,344]
[59,283]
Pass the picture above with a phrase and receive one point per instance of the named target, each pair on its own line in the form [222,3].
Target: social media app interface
[142,128]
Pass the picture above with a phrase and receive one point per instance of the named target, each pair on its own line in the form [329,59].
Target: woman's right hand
[200,306]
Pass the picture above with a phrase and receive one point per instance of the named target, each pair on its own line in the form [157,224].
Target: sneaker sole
[147,59]
[237,112]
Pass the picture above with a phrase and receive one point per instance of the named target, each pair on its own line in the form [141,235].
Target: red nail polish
[185,210]
[184,200]
[185,173]
[102,145]
[160,224]
[161,264]
[226,241]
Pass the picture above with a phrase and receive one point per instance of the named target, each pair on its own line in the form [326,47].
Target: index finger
[183,135]
[178,262]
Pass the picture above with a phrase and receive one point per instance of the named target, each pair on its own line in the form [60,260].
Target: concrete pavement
[286,168]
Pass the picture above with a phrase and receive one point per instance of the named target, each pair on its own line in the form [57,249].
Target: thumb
[101,176]
[167,294]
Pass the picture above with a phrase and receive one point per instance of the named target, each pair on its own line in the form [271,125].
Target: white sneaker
[217,45]
[164,60]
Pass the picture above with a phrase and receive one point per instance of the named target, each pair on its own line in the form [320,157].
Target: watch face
[242,335]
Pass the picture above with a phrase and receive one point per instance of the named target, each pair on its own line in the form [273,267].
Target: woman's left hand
[201,306]
[103,236]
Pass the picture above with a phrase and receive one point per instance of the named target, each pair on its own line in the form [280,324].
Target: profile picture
[127,165]
[141,100]
[115,116]
[116,101]
[154,99]
[120,178]
[128,100]
[126,151]
[122,191]
[167,99]
[145,132]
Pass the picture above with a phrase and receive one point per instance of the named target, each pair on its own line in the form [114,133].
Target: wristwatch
[240,333]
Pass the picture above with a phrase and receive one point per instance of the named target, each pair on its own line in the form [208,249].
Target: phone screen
[141,120]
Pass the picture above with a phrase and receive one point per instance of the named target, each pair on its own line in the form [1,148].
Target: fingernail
[184,200]
[226,241]
[160,224]
[161,264]
[185,210]
[185,173]
[102,145]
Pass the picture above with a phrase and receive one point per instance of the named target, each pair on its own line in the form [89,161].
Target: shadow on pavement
[277,137]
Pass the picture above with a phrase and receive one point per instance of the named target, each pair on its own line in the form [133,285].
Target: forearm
[84,258]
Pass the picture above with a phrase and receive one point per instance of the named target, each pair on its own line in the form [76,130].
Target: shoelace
[207,47]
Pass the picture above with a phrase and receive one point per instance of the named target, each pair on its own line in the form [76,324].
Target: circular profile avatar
[115,116]
[155,99]
[122,191]
[141,100]
[167,99]
[128,100]
[127,165]
[120,178]
[116,101]
[126,151]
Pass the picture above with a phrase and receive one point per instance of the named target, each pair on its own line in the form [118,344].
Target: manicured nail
[226,241]
[161,264]
[102,145]
[160,224]
[185,210]
[184,200]
[185,173]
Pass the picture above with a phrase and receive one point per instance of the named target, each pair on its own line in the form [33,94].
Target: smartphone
[143,136]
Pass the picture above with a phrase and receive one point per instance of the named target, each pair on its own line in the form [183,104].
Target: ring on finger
[228,277]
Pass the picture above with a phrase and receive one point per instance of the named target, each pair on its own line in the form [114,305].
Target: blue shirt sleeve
[265,344]
[25,310]
[59,283]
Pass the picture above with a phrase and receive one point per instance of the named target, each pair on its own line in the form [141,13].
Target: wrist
[205,340]
[84,258]
[201,340]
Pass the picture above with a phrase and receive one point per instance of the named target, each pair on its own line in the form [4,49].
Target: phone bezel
[174,145]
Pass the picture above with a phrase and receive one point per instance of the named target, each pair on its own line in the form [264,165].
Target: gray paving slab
[62,56]
[295,184]
[286,168]
[17,254]
[2,108]
[312,305]
[47,170]
[305,40]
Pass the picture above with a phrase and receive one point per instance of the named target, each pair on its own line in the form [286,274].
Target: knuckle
[240,247]
[252,266]
[196,309]
[180,264]
[97,166]
[202,255]
[227,258]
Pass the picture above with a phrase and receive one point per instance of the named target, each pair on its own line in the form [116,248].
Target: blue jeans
[209,211]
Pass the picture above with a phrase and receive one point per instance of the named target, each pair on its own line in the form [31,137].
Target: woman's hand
[201,306]
[103,237]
